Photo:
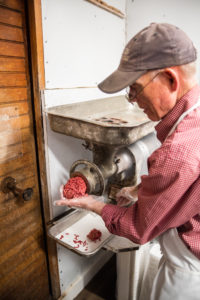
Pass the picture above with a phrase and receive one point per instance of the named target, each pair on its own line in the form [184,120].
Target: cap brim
[119,80]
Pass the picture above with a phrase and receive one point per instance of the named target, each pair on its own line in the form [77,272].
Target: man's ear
[172,78]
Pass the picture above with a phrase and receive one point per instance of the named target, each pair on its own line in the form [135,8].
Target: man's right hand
[127,195]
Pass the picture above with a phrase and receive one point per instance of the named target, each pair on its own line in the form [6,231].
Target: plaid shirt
[169,196]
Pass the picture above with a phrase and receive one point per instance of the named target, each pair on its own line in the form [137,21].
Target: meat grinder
[119,135]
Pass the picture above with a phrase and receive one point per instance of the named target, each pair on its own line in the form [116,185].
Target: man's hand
[90,202]
[127,196]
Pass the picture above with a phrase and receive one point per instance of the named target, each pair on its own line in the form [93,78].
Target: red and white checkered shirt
[169,196]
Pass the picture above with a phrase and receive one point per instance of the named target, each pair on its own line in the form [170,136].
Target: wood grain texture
[35,27]
[12,64]
[15,4]
[14,109]
[11,49]
[12,94]
[7,138]
[11,33]
[10,17]
[14,79]
[15,151]
[11,125]
[23,263]
[9,166]
[14,242]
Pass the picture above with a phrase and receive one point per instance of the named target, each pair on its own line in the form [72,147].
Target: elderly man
[158,66]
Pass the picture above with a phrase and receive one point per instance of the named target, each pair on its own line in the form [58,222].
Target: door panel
[12,64]
[11,33]
[11,49]
[7,138]
[12,95]
[13,80]
[23,264]
[9,16]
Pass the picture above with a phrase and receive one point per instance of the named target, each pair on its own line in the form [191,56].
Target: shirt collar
[188,100]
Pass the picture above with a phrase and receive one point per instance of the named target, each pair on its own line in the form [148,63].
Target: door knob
[9,185]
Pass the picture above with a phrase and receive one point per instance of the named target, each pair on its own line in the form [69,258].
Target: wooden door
[23,263]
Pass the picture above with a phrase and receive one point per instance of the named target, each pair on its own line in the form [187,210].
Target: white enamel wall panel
[56,97]
[82,42]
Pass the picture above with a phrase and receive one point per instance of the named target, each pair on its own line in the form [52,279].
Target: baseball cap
[157,46]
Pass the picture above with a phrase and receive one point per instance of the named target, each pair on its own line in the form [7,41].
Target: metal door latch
[9,185]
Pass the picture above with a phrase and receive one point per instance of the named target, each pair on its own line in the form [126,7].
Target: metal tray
[71,232]
[110,121]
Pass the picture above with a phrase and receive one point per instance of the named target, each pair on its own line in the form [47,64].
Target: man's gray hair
[189,70]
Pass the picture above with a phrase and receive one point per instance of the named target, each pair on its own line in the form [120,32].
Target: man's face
[153,95]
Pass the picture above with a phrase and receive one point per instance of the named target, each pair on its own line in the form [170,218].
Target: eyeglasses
[132,93]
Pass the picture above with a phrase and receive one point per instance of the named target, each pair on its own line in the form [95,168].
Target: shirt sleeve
[165,197]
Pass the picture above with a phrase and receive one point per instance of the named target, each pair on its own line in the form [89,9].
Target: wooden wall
[23,263]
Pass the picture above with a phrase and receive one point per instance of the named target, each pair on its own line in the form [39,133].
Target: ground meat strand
[94,235]
[74,188]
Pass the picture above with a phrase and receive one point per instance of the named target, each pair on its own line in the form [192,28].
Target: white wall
[82,42]
[183,13]
[82,45]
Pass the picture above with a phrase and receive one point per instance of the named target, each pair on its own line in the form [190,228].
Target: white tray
[72,231]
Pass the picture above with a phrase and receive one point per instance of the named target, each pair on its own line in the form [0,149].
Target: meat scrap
[94,235]
[76,236]
[74,188]
[78,243]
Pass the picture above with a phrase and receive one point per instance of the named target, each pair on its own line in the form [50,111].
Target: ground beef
[74,188]
[94,235]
